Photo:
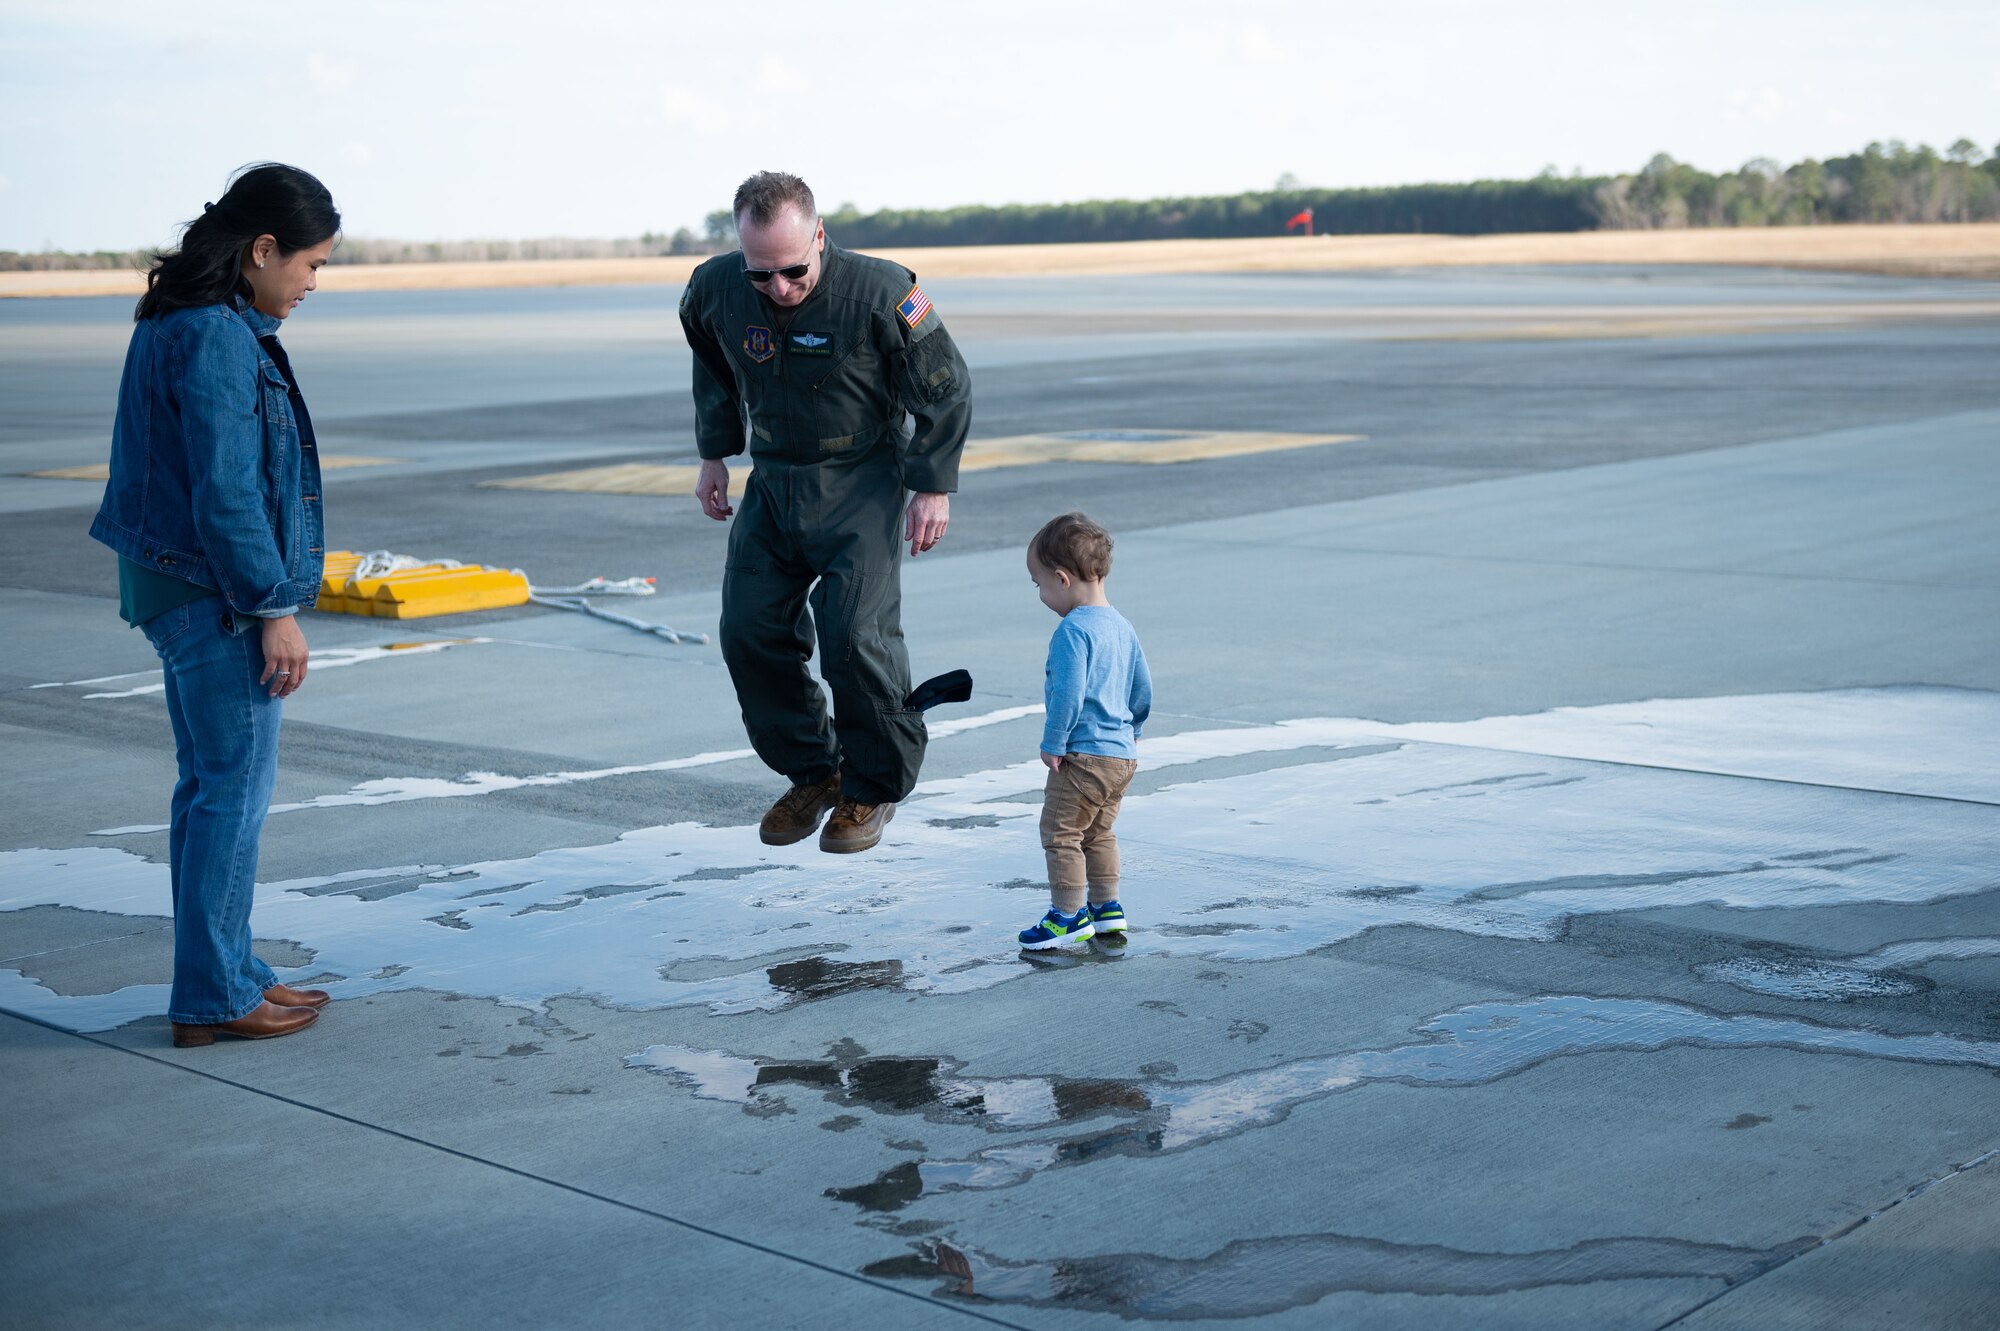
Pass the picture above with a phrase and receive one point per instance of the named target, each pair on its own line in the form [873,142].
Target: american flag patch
[914,307]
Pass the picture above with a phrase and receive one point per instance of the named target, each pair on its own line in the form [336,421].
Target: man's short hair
[1075,545]
[768,193]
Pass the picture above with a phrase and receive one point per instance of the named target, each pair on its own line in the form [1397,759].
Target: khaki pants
[1079,804]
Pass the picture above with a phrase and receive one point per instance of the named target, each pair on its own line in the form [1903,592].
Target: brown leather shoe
[855,826]
[796,814]
[264,1022]
[286,996]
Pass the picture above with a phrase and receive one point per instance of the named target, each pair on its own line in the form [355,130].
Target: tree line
[1884,182]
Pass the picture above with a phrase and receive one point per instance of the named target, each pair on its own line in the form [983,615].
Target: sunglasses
[791,274]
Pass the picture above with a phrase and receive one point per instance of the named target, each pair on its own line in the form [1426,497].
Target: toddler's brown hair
[1074,545]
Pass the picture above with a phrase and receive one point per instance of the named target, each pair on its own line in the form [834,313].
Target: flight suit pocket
[889,754]
[928,373]
[846,400]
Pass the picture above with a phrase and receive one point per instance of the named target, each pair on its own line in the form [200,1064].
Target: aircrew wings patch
[914,307]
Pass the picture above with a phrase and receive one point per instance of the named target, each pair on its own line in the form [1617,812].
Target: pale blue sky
[450,120]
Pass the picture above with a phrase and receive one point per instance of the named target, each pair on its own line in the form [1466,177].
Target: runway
[1563,863]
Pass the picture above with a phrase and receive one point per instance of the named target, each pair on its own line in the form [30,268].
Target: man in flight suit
[812,355]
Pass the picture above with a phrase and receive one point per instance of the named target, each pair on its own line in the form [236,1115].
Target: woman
[214,511]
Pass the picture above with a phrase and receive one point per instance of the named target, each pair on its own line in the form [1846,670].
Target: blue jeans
[226,743]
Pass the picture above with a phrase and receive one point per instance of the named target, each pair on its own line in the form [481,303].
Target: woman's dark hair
[264,199]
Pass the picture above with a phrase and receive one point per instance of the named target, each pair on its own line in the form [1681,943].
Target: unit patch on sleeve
[758,344]
[914,307]
[812,344]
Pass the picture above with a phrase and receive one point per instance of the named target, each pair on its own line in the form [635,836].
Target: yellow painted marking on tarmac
[1134,447]
[101,471]
[624,478]
[1622,329]
[1124,447]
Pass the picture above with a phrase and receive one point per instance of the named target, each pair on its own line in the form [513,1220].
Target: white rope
[578,603]
[380,563]
[601,587]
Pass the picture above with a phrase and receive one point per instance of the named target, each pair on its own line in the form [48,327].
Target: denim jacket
[214,476]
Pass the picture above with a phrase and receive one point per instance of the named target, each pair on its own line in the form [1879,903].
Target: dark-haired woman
[214,511]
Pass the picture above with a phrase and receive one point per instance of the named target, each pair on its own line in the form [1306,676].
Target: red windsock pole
[1303,218]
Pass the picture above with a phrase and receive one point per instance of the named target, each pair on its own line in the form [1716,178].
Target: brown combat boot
[261,1023]
[796,814]
[855,826]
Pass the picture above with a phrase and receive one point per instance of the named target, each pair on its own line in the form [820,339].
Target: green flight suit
[818,392]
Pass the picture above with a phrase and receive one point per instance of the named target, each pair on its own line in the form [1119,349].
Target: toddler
[1098,695]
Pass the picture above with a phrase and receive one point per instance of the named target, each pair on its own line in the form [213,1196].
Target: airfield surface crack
[1850,1227]
[529,1175]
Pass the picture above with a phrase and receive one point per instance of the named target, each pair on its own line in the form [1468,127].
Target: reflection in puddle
[932,1087]
[1467,1047]
[818,977]
[1255,1277]
[1256,865]
[1473,1045]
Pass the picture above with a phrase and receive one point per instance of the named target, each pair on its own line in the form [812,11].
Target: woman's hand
[284,656]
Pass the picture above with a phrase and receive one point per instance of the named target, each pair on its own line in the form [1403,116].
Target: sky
[454,120]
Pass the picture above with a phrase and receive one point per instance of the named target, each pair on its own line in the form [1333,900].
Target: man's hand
[925,521]
[1052,761]
[284,656]
[712,489]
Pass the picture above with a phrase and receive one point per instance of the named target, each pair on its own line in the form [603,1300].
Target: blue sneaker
[1109,917]
[1056,929]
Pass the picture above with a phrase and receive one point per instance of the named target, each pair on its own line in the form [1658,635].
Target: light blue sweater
[1098,692]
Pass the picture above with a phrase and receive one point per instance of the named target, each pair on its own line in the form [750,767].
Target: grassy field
[1971,250]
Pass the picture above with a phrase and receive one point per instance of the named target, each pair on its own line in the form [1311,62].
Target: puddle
[1601,883]
[819,977]
[1808,980]
[712,967]
[1877,974]
[728,873]
[371,889]
[934,1089]
[567,903]
[1258,1277]
[1467,1047]
[1305,861]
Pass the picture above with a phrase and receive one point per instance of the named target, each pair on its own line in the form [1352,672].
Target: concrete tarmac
[1562,867]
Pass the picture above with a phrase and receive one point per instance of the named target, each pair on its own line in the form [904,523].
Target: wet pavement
[1564,866]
